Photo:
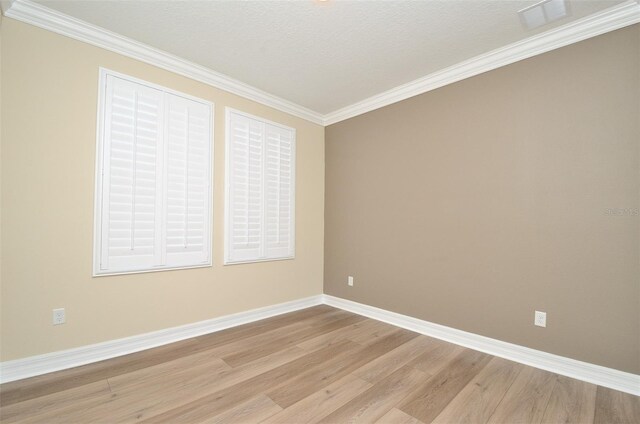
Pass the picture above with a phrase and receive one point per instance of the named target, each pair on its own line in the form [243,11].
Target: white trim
[42,364]
[56,361]
[5,5]
[49,19]
[616,17]
[227,186]
[99,165]
[610,19]
[607,377]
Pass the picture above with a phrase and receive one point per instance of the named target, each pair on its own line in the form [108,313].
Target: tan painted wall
[50,86]
[477,203]
[1,32]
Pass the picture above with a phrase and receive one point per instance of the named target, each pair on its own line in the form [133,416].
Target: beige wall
[50,86]
[477,203]
[1,31]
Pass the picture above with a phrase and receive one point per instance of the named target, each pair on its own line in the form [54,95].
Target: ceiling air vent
[543,13]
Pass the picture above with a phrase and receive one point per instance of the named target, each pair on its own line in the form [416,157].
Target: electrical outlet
[59,316]
[540,319]
[350,281]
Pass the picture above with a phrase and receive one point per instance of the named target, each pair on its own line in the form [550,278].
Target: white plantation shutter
[133,138]
[279,172]
[260,177]
[153,179]
[244,203]
[187,182]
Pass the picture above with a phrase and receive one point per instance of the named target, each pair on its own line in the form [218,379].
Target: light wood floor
[316,365]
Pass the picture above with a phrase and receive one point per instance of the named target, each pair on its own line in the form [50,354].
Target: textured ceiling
[321,55]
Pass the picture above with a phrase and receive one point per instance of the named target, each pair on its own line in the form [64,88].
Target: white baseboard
[607,377]
[56,361]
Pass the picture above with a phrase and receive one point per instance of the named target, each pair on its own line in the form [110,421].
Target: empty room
[320,211]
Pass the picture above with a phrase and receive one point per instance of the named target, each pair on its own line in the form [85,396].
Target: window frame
[227,188]
[100,169]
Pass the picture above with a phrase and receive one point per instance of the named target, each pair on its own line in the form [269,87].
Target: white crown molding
[616,17]
[49,19]
[5,5]
[607,377]
[56,361]
[613,18]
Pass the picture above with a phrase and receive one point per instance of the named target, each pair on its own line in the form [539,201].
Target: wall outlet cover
[59,316]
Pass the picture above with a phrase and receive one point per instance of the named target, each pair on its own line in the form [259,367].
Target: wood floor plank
[34,387]
[165,385]
[225,399]
[258,327]
[426,402]
[321,403]
[396,416]
[257,350]
[367,338]
[436,356]
[386,364]
[379,399]
[477,401]
[314,379]
[204,384]
[54,401]
[571,402]
[137,401]
[253,410]
[334,315]
[221,349]
[81,412]
[365,327]
[228,344]
[526,399]
[172,372]
[199,383]
[614,407]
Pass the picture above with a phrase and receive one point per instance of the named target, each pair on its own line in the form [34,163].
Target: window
[260,190]
[153,181]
